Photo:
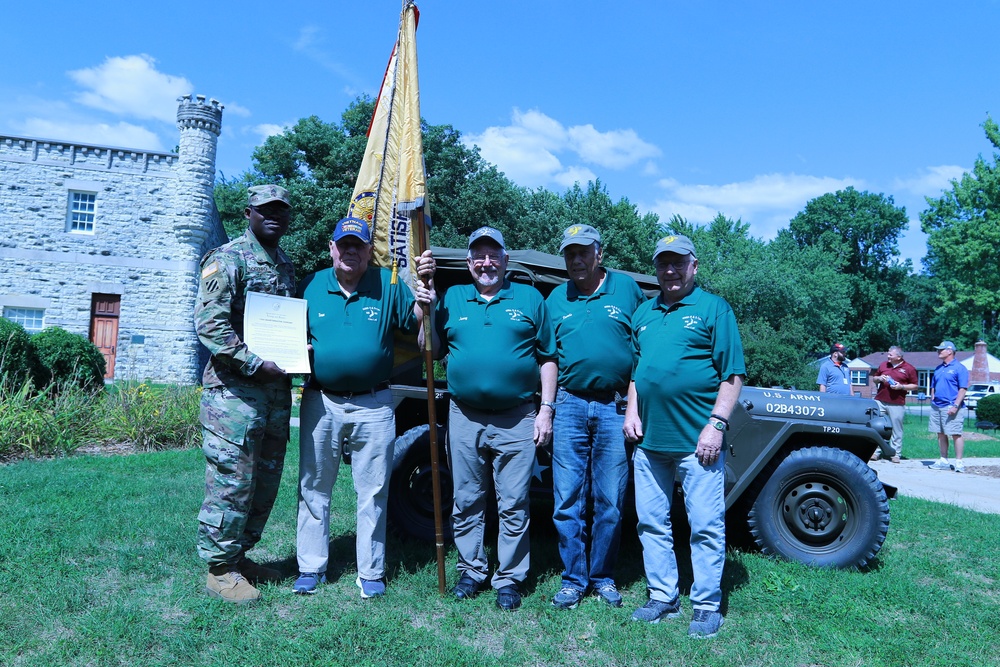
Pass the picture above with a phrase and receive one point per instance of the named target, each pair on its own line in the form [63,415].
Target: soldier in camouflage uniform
[246,403]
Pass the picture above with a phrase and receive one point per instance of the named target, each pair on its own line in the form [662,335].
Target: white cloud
[121,135]
[234,109]
[265,130]
[536,149]
[767,202]
[930,181]
[311,43]
[131,85]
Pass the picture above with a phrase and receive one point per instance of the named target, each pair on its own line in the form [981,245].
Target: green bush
[68,358]
[988,408]
[44,423]
[18,362]
[151,418]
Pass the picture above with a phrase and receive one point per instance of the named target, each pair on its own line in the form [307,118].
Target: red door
[104,312]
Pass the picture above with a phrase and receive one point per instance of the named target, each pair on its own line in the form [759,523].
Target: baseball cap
[837,347]
[579,235]
[946,345]
[681,245]
[489,233]
[263,194]
[352,227]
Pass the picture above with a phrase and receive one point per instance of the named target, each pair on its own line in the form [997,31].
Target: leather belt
[606,396]
[349,394]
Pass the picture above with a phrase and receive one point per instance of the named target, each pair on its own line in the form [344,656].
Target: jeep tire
[821,506]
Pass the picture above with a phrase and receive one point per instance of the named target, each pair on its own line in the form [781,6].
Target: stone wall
[154,218]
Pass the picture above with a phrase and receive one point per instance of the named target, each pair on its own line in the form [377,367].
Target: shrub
[68,358]
[44,423]
[151,418]
[988,408]
[18,362]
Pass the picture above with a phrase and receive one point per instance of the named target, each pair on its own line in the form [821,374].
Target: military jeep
[797,478]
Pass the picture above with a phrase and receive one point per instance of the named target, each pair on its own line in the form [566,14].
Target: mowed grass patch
[98,567]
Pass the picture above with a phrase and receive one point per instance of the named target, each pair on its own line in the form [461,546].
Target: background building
[105,242]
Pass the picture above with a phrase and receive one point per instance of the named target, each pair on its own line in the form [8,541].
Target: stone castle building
[105,242]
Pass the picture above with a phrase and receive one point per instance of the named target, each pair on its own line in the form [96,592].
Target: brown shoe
[257,573]
[877,456]
[895,459]
[231,586]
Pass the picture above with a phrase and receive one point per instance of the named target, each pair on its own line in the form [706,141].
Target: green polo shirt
[352,336]
[594,333]
[494,347]
[684,352]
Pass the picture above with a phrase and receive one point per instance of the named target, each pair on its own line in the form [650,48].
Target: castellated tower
[198,226]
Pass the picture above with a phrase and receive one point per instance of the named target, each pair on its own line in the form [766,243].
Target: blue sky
[694,108]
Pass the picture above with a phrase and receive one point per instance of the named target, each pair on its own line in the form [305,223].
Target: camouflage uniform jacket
[228,273]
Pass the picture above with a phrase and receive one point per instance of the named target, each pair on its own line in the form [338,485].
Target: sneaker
[308,581]
[895,459]
[509,598]
[257,573]
[654,610]
[610,595]
[941,464]
[877,456]
[231,586]
[959,465]
[705,623]
[567,598]
[370,588]
[466,588]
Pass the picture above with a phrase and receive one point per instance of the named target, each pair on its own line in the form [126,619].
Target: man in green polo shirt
[498,341]
[592,315]
[354,311]
[686,381]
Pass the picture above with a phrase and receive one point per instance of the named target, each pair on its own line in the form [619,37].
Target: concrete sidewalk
[913,477]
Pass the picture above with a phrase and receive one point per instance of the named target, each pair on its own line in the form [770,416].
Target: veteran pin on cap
[674,243]
[352,227]
[487,233]
[579,235]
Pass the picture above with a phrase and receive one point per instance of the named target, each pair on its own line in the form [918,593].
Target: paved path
[913,477]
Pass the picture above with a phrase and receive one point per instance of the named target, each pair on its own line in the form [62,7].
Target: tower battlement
[199,114]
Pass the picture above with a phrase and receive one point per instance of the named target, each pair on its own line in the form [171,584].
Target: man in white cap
[948,386]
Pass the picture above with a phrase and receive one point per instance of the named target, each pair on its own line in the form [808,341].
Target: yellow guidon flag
[391,190]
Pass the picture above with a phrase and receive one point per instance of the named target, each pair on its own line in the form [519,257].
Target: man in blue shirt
[948,386]
[834,376]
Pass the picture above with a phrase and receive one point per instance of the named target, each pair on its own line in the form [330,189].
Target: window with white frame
[859,378]
[32,319]
[81,212]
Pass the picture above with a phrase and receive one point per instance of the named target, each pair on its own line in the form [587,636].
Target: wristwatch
[550,404]
[718,426]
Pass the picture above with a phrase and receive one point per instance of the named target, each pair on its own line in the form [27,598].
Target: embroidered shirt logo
[515,315]
[613,311]
[690,321]
[373,312]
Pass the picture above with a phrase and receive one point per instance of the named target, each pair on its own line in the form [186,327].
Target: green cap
[674,243]
[263,194]
[579,235]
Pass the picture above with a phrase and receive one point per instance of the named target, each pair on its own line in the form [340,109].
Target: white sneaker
[959,465]
[941,464]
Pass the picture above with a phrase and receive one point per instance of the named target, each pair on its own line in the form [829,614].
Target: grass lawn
[98,567]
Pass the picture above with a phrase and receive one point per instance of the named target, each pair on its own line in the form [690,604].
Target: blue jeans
[589,464]
[704,498]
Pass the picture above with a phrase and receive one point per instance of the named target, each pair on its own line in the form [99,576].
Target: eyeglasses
[677,265]
[479,258]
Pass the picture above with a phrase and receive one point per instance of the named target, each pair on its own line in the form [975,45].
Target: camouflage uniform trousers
[245,437]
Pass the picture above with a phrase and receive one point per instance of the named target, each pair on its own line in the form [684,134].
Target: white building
[105,242]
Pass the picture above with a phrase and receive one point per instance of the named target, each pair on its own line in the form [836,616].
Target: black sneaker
[609,593]
[567,598]
[705,623]
[654,610]
[509,598]
[466,588]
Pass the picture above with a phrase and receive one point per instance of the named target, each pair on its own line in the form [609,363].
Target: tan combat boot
[257,573]
[226,583]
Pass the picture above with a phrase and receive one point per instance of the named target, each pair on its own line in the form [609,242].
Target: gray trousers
[896,413]
[500,444]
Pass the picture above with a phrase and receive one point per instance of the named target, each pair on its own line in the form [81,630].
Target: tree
[860,231]
[963,236]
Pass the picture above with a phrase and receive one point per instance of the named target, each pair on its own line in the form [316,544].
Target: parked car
[979,390]
[797,476]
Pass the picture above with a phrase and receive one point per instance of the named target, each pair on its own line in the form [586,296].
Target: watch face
[719,426]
